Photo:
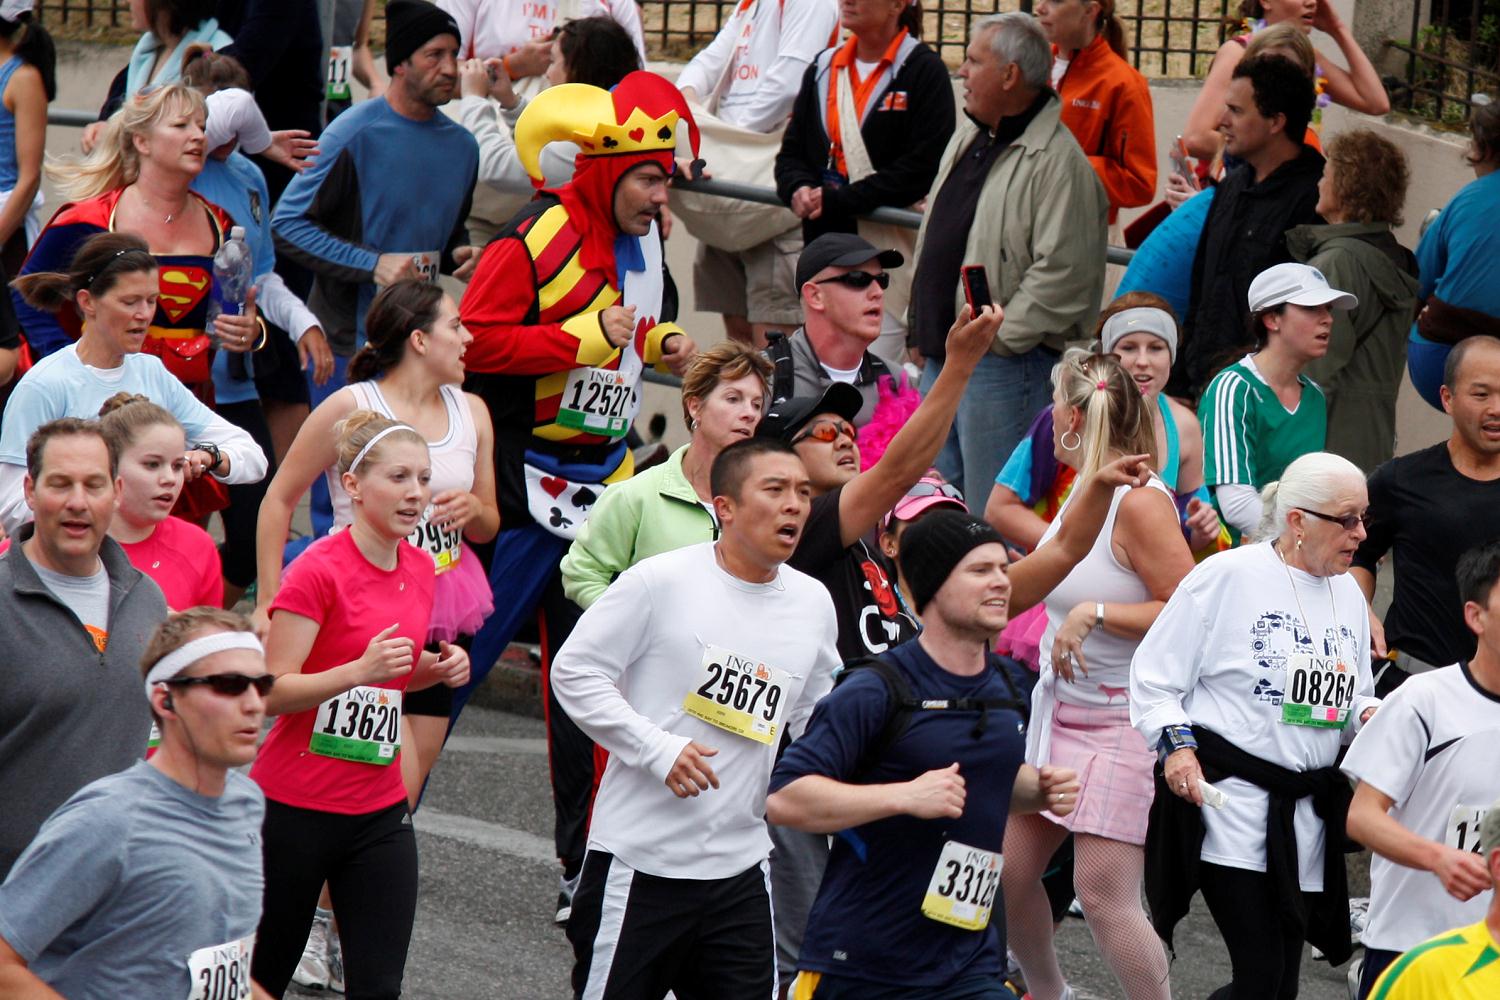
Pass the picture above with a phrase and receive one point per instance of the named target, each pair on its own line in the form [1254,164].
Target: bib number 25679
[363,724]
[962,890]
[740,695]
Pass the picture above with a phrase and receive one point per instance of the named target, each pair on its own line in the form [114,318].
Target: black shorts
[283,380]
[637,936]
[436,700]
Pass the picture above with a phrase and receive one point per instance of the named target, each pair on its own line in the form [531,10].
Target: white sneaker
[566,887]
[312,970]
[1359,916]
[1075,909]
[335,961]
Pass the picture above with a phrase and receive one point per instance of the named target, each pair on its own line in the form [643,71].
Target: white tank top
[453,455]
[1097,577]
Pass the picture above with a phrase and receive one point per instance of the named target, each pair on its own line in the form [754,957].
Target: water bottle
[234,273]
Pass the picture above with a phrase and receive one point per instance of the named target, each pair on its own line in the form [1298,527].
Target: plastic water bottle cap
[237,232]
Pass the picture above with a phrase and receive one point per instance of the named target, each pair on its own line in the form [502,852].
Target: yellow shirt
[1461,964]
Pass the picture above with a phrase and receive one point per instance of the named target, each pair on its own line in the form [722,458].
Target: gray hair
[1019,39]
[1311,481]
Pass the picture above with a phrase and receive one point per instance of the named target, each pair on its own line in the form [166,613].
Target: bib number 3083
[962,890]
[363,724]
[1463,827]
[1320,692]
[221,972]
[739,695]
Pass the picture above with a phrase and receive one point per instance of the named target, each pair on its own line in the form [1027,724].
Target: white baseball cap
[11,10]
[233,114]
[1298,285]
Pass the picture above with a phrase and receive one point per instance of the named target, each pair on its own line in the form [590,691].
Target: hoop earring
[1077,441]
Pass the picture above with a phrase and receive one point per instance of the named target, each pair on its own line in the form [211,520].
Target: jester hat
[616,131]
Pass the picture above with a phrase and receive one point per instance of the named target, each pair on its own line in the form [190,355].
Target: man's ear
[1278,123]
[1474,617]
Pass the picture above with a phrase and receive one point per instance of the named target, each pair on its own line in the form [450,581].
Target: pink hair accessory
[1101,385]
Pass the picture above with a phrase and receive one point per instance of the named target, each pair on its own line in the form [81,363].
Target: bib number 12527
[363,724]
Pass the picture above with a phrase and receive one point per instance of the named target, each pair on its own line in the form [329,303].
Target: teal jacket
[646,515]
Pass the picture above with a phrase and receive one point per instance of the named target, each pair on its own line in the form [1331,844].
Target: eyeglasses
[1348,522]
[858,280]
[230,685]
[827,431]
[930,489]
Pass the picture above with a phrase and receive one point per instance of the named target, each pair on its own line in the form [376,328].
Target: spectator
[1261,412]
[747,78]
[1357,88]
[929,493]
[71,716]
[1105,101]
[169,29]
[866,132]
[1361,194]
[1426,509]
[28,83]
[842,280]
[520,33]
[1274,188]
[1015,166]
[1460,291]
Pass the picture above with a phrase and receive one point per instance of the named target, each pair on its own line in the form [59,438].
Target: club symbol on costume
[610,143]
[558,521]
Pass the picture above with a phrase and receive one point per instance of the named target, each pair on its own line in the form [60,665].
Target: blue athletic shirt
[867,921]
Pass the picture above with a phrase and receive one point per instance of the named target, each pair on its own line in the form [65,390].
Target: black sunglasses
[1348,522]
[858,280]
[230,685]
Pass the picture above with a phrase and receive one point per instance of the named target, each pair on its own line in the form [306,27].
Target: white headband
[188,653]
[375,440]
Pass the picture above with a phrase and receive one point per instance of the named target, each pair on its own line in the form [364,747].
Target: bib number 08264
[739,694]
[1320,692]
[363,724]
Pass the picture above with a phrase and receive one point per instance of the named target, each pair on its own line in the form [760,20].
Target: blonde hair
[726,362]
[114,162]
[1310,481]
[1284,39]
[1115,418]
[359,429]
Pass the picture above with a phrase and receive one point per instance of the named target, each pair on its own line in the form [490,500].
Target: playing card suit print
[637,134]
[554,486]
[558,521]
[584,498]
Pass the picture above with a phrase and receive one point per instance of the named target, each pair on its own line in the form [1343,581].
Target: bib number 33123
[739,695]
[221,972]
[363,724]
[962,890]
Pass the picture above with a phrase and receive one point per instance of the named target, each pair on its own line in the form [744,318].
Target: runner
[1460,964]
[346,632]
[181,557]
[68,717]
[691,670]
[1426,767]
[891,783]
[147,883]
[1247,680]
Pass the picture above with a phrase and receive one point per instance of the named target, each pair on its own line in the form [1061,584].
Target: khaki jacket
[1039,230]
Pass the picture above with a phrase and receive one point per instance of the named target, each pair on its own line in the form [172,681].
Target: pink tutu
[1022,636]
[461,600]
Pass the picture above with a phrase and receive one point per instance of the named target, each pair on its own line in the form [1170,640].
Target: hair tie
[393,428]
[1101,385]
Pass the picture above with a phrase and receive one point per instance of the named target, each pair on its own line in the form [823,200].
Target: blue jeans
[1002,397]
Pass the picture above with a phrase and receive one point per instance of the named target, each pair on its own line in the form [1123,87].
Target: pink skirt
[1114,767]
[461,599]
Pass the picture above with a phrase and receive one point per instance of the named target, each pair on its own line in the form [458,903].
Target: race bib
[340,58]
[739,695]
[363,724]
[1463,827]
[962,890]
[445,545]
[427,263]
[221,972]
[154,739]
[599,401]
[1319,693]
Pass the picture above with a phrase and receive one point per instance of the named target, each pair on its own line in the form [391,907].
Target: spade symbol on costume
[558,521]
[664,133]
[583,498]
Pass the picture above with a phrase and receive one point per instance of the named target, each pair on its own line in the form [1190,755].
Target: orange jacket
[1107,106]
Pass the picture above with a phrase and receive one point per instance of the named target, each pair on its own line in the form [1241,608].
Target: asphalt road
[484,919]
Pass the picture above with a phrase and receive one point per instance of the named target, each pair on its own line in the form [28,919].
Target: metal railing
[1453,54]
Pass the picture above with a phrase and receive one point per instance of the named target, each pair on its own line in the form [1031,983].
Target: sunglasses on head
[828,431]
[921,490]
[1348,522]
[229,685]
[858,280]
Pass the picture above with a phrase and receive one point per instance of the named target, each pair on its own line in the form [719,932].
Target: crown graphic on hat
[639,117]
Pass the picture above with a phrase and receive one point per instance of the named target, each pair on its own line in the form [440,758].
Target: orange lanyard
[843,61]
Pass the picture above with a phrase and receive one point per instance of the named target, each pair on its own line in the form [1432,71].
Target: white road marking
[496,745]
[490,836]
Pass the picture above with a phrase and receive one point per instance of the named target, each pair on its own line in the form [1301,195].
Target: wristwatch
[1174,738]
[213,453]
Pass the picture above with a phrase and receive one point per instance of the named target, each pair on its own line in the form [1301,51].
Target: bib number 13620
[739,695]
[363,724]
[962,890]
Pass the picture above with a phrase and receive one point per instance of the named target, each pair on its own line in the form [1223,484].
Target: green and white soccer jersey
[1248,436]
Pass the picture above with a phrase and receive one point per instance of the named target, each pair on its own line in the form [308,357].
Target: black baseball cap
[788,416]
[841,250]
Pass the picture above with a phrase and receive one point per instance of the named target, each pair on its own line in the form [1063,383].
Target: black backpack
[903,703]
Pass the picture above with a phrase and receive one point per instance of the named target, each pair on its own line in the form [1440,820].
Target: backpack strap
[783,377]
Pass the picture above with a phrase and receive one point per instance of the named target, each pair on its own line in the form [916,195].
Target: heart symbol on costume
[554,486]
[637,134]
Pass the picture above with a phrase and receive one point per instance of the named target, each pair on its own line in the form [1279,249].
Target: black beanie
[934,545]
[408,26]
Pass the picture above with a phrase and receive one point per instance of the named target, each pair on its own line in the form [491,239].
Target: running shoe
[312,970]
[1075,908]
[1359,916]
[566,887]
[335,961]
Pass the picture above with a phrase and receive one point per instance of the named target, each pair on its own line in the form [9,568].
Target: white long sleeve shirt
[624,674]
[495,28]
[282,307]
[499,163]
[1220,655]
[761,54]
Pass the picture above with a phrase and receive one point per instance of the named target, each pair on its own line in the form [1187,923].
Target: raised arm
[1358,87]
